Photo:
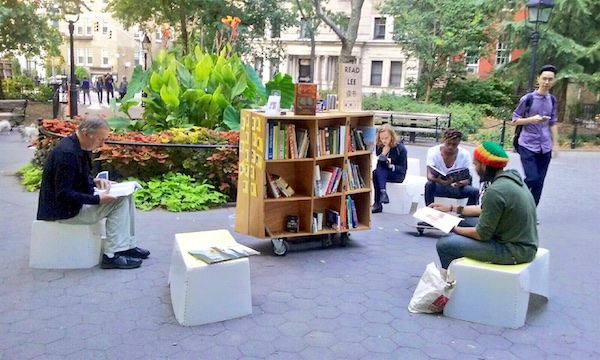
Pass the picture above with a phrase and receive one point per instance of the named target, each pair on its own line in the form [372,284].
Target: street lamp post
[73,99]
[145,47]
[538,13]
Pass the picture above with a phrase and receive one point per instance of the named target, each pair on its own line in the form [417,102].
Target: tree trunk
[1,89]
[184,32]
[313,56]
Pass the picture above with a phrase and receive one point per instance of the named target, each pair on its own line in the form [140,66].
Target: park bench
[413,123]
[13,111]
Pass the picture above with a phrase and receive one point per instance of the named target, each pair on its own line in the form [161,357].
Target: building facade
[385,67]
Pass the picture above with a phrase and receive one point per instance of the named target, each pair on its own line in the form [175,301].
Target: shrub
[176,192]
[31,176]
[493,92]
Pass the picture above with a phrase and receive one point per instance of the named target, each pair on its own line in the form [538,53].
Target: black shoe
[119,262]
[383,197]
[136,253]
[377,208]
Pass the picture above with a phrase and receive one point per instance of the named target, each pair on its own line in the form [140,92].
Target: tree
[309,21]
[440,33]
[570,41]
[199,21]
[24,30]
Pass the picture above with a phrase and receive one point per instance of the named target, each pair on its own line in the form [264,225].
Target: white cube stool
[403,195]
[63,246]
[202,293]
[497,294]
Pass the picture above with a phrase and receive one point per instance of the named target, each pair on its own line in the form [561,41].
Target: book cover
[217,254]
[305,99]
[270,128]
[325,178]
[317,178]
[276,141]
[455,174]
[438,219]
[368,137]
[285,188]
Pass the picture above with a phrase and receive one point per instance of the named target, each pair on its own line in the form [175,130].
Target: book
[305,99]
[272,186]
[368,134]
[120,189]
[283,186]
[318,216]
[455,174]
[217,254]
[332,219]
[438,219]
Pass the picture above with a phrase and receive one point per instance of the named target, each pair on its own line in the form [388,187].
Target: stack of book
[332,140]
[362,138]
[327,180]
[284,141]
[352,176]
[278,187]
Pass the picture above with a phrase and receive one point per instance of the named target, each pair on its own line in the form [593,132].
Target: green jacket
[508,215]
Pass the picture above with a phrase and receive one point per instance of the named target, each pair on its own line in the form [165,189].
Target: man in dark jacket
[506,232]
[67,195]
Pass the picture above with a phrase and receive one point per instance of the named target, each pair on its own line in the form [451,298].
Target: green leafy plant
[176,192]
[199,89]
[31,177]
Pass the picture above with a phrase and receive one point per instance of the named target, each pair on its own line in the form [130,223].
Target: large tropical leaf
[285,85]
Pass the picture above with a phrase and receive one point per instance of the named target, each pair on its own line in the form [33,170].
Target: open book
[438,219]
[121,189]
[218,254]
[455,174]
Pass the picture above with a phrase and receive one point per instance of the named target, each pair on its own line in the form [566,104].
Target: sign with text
[350,87]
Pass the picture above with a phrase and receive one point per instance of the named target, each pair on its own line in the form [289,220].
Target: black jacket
[398,156]
[66,181]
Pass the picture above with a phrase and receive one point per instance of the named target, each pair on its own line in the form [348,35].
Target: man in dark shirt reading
[67,195]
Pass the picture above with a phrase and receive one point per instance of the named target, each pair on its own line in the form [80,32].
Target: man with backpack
[537,140]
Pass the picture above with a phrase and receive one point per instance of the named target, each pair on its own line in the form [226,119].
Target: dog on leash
[28,133]
[5,126]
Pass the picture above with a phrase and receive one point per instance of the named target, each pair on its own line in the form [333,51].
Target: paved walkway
[335,303]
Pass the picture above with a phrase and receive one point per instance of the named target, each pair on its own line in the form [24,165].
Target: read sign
[350,87]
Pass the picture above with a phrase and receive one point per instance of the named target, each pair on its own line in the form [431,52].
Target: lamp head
[146,42]
[539,10]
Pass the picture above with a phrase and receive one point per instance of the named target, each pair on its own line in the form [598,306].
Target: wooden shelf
[255,212]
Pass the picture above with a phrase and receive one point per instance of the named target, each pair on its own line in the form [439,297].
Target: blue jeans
[383,174]
[535,166]
[433,189]
[454,246]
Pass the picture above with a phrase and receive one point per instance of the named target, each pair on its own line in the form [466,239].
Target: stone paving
[334,303]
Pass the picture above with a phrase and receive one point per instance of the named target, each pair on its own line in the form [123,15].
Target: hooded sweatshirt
[508,215]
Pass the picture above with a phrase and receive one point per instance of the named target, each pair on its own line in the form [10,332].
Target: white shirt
[434,158]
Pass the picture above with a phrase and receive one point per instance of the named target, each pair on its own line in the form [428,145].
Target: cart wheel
[344,239]
[280,246]
[421,231]
[326,241]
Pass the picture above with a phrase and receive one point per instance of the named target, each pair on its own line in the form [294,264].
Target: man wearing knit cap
[506,232]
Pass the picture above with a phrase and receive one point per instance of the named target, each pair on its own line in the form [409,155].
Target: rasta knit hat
[491,154]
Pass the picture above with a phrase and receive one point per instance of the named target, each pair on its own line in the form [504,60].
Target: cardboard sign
[350,87]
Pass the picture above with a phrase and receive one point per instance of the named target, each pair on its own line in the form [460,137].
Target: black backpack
[519,129]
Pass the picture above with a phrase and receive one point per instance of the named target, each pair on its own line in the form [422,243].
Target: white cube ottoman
[202,293]
[63,246]
[497,295]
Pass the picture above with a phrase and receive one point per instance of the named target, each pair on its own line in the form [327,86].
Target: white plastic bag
[433,291]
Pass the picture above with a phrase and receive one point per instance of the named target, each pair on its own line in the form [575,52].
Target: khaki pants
[120,222]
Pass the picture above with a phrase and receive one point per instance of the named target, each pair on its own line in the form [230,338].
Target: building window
[376,70]
[396,73]
[258,66]
[80,28]
[274,68]
[304,30]
[379,30]
[303,70]
[80,57]
[502,55]
[88,27]
[104,27]
[136,59]
[472,61]
[275,29]
[89,57]
[104,57]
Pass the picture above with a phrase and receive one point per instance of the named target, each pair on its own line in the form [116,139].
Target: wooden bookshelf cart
[260,215]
